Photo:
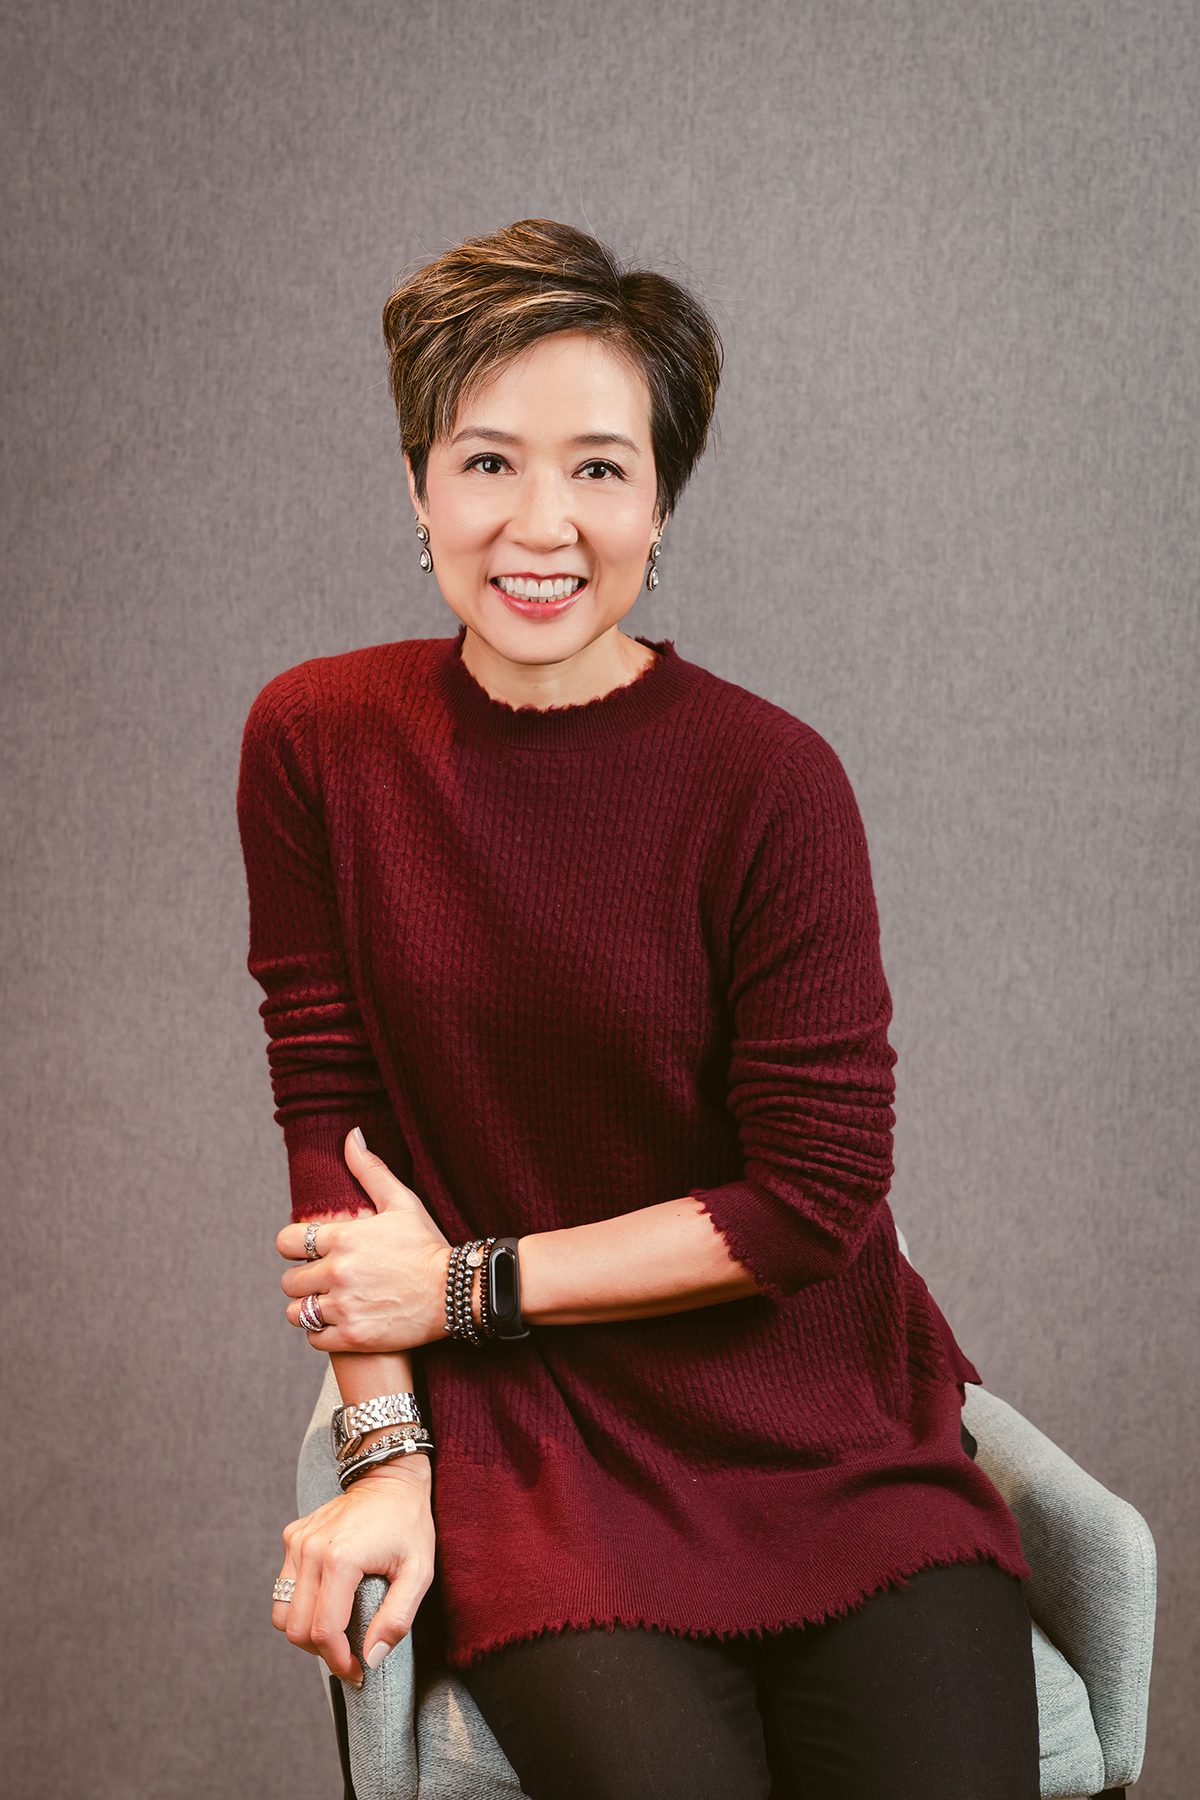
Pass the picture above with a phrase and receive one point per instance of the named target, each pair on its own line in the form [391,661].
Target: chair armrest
[1094,1584]
[414,1733]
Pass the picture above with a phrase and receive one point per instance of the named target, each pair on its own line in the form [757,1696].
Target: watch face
[504,1284]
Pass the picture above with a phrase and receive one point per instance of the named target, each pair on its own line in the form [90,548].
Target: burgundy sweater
[560,964]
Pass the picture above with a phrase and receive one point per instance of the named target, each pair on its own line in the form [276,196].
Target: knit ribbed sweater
[560,964]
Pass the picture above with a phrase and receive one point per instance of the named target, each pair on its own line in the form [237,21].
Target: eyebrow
[594,438]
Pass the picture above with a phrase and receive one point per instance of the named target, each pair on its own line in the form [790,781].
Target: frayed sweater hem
[790,1619]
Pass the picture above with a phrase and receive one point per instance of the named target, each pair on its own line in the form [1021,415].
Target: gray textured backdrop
[950,519]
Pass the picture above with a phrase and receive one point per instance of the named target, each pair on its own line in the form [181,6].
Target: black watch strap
[503,1271]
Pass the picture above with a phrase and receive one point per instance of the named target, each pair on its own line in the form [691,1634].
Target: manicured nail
[376,1654]
[358,1137]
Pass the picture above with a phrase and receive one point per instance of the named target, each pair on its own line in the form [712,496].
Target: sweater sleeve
[323,1073]
[810,1081]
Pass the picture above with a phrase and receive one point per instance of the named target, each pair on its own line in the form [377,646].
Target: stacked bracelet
[460,1278]
[350,1423]
[499,1291]
[385,1449]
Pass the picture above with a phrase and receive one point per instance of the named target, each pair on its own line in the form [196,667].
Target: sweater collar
[651,692]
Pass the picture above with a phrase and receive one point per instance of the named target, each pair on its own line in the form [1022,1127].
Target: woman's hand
[380,1277]
[381,1525]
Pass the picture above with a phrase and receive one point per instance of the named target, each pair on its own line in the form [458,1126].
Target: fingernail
[358,1137]
[376,1654]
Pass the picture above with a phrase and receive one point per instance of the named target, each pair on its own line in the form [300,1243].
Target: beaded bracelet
[460,1278]
[453,1285]
[486,1325]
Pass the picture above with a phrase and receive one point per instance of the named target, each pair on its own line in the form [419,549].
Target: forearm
[362,1374]
[365,1374]
[660,1259]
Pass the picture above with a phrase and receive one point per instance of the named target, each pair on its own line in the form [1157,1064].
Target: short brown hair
[453,324]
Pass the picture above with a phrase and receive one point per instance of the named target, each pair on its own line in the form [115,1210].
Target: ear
[412,486]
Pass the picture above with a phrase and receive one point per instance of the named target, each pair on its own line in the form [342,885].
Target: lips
[495,580]
[531,607]
[580,581]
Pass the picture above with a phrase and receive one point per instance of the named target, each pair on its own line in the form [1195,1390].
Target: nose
[542,512]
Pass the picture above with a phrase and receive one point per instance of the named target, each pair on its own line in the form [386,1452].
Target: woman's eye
[489,456]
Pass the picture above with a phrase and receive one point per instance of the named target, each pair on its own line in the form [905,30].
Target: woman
[582,939]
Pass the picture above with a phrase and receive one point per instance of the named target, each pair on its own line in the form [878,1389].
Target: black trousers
[924,1692]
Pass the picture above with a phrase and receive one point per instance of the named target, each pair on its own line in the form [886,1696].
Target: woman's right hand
[381,1525]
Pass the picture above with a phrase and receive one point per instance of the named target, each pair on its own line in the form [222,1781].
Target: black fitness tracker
[504,1290]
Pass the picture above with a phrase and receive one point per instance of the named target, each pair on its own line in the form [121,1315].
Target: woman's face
[548,472]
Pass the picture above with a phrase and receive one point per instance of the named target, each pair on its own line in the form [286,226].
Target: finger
[331,1341]
[331,1615]
[397,1611]
[281,1610]
[309,1278]
[290,1240]
[330,1337]
[308,1560]
[327,1306]
[372,1173]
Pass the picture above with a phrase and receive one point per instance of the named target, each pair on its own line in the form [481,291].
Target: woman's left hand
[380,1277]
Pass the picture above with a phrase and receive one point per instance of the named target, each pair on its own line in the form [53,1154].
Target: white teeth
[521,589]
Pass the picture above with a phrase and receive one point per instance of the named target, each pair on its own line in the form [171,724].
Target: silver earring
[652,572]
[426,559]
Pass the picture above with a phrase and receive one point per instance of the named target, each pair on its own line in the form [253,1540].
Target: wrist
[375,1436]
[537,1303]
[414,1470]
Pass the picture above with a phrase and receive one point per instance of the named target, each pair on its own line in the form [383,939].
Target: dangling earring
[652,572]
[426,559]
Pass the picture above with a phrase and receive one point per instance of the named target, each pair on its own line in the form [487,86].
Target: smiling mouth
[523,588]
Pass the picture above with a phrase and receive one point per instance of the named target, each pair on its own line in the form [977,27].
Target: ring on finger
[285,1588]
[311,1318]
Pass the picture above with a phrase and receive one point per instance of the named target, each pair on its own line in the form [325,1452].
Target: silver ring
[311,1253]
[310,1313]
[285,1587]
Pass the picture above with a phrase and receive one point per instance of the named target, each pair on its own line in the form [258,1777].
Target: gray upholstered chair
[414,1733]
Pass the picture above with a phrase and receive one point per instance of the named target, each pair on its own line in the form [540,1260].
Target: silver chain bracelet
[384,1449]
[350,1423]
